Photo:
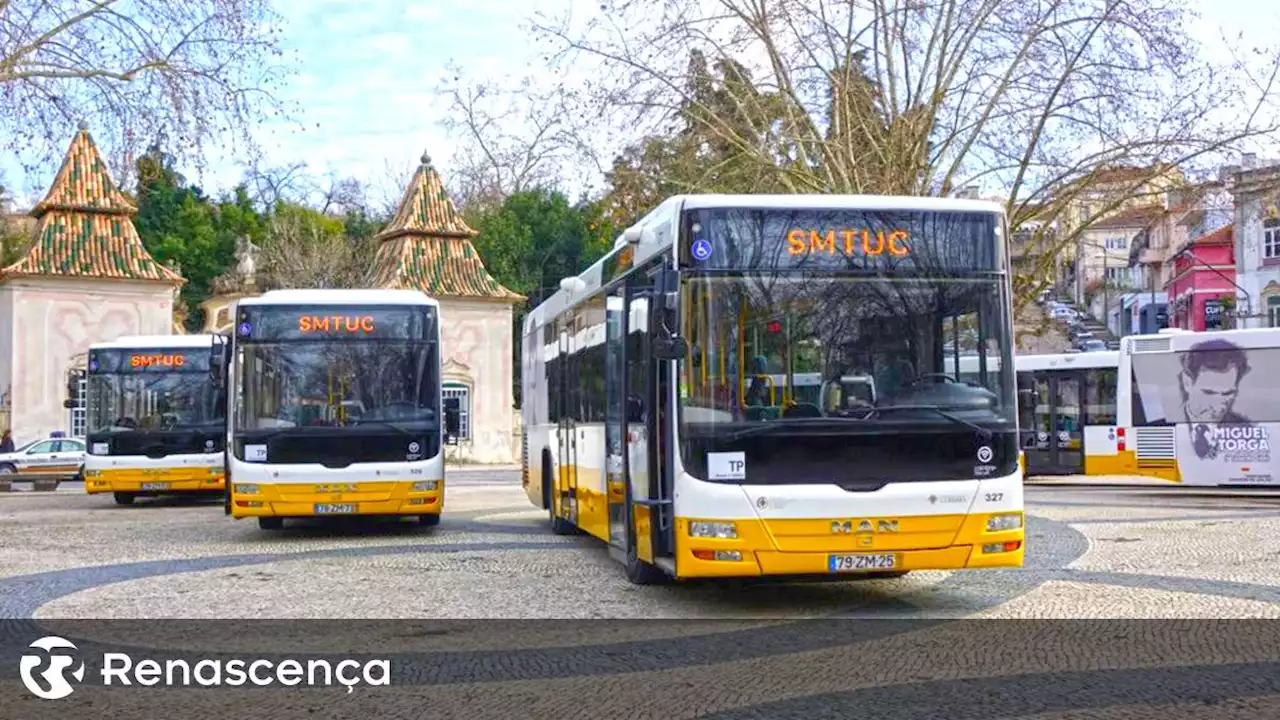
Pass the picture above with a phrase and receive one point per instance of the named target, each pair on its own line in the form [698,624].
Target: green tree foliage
[533,240]
[178,224]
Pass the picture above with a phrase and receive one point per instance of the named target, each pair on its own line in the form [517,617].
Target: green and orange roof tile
[427,246]
[85,226]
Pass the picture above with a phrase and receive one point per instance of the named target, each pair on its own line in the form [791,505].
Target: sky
[367,70]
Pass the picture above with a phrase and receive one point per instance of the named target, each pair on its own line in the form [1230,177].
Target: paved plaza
[1094,552]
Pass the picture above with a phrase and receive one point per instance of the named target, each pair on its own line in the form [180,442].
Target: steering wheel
[945,378]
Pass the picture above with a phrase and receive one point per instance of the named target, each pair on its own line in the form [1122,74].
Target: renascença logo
[55,676]
[120,669]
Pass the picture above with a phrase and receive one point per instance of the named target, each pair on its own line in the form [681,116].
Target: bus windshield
[839,375]
[340,384]
[155,401]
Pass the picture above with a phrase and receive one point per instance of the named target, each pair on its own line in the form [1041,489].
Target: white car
[58,456]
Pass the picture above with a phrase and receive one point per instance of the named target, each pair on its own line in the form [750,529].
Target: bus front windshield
[348,385]
[852,379]
[154,401]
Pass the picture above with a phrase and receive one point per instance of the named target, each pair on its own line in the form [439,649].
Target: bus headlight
[247,489]
[1008,521]
[713,529]
[425,486]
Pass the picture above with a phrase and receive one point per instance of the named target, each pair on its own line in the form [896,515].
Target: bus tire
[270,523]
[559,526]
[640,572]
[429,520]
[123,498]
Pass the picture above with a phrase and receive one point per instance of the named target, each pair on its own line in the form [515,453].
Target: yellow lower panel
[760,556]
[1125,462]
[175,480]
[373,498]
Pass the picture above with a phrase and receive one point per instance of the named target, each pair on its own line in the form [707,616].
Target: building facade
[87,278]
[427,246]
[1257,219]
[1202,290]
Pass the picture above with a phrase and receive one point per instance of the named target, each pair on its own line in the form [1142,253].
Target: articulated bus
[1068,410]
[1198,408]
[156,420]
[336,406]
[672,409]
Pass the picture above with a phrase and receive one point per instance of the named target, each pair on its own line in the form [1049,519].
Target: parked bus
[156,420]
[335,406]
[1068,410]
[1198,408]
[662,413]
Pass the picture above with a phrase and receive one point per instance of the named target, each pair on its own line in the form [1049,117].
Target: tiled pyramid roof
[85,228]
[427,246]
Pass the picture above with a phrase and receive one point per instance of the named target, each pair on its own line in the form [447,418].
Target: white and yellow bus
[335,406]
[669,405]
[156,420]
[1068,410]
[1198,408]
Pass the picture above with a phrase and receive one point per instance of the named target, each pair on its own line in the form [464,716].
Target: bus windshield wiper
[387,424]
[984,432]
[767,425]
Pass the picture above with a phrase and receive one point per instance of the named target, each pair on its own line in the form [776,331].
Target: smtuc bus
[335,406]
[156,421]
[758,385]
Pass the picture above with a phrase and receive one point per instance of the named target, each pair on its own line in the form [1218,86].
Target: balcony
[1148,256]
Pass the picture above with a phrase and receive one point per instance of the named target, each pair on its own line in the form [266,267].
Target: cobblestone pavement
[1121,561]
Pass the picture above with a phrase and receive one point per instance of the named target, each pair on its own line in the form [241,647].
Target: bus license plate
[332,509]
[155,486]
[856,563]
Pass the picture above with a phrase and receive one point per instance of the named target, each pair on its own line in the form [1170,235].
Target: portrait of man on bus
[1209,384]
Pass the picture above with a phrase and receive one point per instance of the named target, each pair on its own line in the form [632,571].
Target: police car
[56,455]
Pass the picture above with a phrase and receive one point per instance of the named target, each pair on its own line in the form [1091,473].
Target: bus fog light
[730,555]
[92,473]
[713,529]
[425,486]
[247,489]
[1003,547]
[998,523]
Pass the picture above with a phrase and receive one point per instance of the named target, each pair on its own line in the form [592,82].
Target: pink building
[1202,283]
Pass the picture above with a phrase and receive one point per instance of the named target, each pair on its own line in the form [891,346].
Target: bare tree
[306,249]
[194,71]
[286,183]
[1042,100]
[511,137]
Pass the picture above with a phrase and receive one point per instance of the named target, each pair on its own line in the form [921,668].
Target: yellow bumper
[805,547]
[169,480]
[337,499]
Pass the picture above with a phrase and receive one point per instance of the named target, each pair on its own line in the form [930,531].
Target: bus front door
[1058,422]
[564,500]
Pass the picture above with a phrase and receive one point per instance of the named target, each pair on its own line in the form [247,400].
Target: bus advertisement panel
[1218,397]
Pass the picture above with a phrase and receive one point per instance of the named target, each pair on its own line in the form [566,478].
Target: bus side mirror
[452,420]
[69,403]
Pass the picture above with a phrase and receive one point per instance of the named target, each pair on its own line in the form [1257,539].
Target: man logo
[865,526]
[55,676]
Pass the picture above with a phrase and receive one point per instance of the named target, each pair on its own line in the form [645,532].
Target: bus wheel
[123,498]
[560,526]
[640,572]
[270,523]
[429,520]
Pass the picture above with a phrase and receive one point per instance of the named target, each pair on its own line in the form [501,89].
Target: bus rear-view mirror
[68,403]
[673,348]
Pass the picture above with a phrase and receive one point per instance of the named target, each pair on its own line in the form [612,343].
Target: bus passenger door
[1058,447]
[614,422]
[564,501]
